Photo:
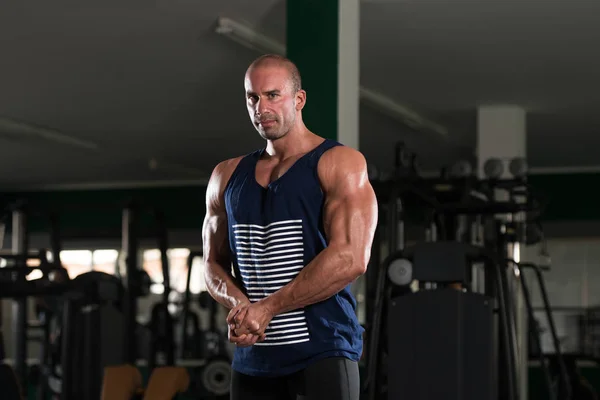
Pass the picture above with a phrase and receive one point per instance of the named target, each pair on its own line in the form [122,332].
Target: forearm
[331,271]
[222,287]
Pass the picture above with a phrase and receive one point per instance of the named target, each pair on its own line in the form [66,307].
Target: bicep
[350,217]
[215,236]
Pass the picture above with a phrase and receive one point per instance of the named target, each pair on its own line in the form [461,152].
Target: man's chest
[268,171]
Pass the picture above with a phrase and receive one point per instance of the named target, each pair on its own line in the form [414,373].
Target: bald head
[274,96]
[274,60]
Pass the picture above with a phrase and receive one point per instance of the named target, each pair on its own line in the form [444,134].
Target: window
[178,269]
[105,261]
[76,262]
[152,265]
[197,282]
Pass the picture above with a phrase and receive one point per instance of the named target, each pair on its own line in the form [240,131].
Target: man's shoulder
[226,167]
[223,172]
[342,168]
[342,158]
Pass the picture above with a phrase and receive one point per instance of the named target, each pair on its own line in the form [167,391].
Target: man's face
[271,101]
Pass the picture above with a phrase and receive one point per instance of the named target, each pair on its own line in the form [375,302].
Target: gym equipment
[196,343]
[99,317]
[90,322]
[9,384]
[96,312]
[190,333]
[213,341]
[122,382]
[518,167]
[191,344]
[16,283]
[92,312]
[162,342]
[564,389]
[446,349]
[166,382]
[493,168]
[214,378]
[137,284]
[581,389]
[211,380]
[19,309]
[131,280]
[457,267]
[92,333]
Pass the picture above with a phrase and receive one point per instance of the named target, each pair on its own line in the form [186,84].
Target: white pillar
[349,73]
[502,134]
[323,40]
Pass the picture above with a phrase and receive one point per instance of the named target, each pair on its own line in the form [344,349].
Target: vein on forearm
[222,287]
[329,272]
[220,283]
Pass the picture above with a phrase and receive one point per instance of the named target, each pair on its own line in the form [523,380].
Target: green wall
[313,47]
[571,197]
[98,213]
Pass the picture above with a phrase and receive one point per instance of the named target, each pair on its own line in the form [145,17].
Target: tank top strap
[315,155]
[247,163]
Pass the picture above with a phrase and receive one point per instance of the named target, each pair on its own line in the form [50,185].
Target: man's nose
[261,107]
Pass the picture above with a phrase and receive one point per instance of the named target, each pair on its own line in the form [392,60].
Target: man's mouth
[267,122]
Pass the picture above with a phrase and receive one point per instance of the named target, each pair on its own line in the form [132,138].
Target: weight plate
[216,377]
[400,272]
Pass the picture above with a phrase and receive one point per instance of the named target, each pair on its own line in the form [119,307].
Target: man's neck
[295,142]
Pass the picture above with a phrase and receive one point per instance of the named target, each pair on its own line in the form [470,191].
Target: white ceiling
[152,80]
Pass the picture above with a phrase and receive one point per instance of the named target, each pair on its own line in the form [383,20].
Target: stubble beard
[273,133]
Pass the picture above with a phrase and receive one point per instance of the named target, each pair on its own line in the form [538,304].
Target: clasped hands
[247,323]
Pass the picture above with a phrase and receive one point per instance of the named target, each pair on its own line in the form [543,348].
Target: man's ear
[300,99]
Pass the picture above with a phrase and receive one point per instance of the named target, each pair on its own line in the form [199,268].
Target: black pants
[329,379]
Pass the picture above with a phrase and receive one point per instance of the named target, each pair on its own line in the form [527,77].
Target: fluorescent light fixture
[22,130]
[250,38]
[399,111]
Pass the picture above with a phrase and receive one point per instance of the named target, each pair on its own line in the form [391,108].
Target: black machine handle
[14,283]
[375,329]
[187,298]
[546,304]
[535,334]
[163,245]
[31,255]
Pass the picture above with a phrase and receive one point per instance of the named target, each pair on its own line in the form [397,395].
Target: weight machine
[16,283]
[95,313]
[109,329]
[443,322]
[212,378]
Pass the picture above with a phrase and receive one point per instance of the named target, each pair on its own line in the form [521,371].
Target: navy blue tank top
[273,233]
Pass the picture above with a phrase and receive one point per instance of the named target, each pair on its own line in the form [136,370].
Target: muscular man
[296,221]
